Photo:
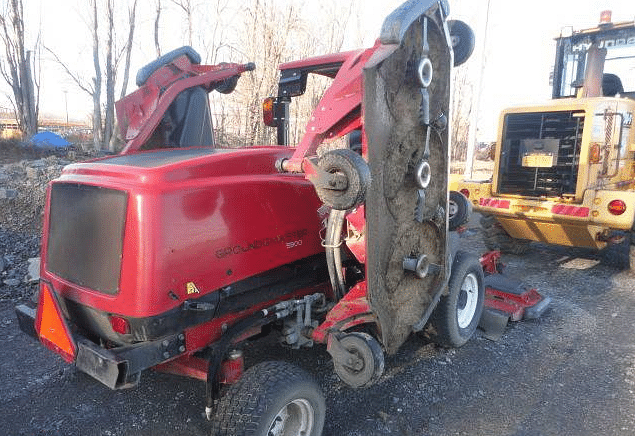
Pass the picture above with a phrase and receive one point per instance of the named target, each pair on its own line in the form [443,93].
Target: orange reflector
[617,207]
[51,327]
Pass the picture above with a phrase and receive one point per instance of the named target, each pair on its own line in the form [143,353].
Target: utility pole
[471,138]
[66,105]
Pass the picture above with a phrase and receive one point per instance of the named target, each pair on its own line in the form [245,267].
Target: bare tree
[96,89]
[187,8]
[104,122]
[461,111]
[274,32]
[132,11]
[109,116]
[215,38]
[268,30]
[20,64]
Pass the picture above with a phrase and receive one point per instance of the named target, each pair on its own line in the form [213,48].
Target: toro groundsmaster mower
[172,253]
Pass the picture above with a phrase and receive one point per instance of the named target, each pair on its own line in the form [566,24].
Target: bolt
[165,343]
[182,349]
[181,337]
[166,355]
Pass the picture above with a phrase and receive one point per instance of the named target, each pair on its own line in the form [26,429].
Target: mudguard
[406,107]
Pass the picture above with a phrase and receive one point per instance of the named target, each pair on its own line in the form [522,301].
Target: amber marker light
[594,153]
[267,112]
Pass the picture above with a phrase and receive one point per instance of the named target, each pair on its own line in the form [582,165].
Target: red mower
[171,254]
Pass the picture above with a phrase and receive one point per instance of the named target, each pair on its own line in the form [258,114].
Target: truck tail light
[617,207]
[51,326]
[465,192]
[119,325]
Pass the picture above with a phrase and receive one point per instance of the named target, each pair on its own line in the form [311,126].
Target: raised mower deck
[506,299]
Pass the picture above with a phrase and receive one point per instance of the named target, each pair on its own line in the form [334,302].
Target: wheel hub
[467,301]
[294,419]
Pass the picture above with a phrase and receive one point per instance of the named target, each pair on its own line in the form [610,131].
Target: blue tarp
[48,139]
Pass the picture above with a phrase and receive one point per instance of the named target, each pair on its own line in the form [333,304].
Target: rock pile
[22,196]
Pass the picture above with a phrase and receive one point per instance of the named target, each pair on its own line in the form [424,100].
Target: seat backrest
[190,120]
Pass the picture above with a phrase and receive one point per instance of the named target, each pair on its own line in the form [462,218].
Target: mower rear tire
[457,315]
[496,238]
[271,399]
[357,173]
[370,360]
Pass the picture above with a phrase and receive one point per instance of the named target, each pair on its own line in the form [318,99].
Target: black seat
[191,109]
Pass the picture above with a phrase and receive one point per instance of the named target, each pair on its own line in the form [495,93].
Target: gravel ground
[571,372]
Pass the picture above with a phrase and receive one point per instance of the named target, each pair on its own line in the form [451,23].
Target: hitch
[297,332]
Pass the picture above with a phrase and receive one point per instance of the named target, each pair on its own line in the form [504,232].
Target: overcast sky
[519,47]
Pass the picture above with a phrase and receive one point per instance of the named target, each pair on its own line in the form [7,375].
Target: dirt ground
[571,372]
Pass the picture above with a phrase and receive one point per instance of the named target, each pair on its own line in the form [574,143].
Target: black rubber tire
[459,210]
[496,238]
[249,407]
[366,348]
[357,173]
[466,272]
[620,255]
[463,41]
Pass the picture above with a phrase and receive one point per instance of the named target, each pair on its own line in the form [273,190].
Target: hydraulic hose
[220,349]
[332,245]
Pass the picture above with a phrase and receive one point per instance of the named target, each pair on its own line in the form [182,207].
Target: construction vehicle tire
[462,41]
[496,238]
[357,173]
[619,255]
[370,357]
[458,313]
[459,210]
[271,398]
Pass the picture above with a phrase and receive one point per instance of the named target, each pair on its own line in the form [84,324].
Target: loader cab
[604,56]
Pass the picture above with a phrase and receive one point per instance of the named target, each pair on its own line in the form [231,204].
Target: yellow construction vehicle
[564,171]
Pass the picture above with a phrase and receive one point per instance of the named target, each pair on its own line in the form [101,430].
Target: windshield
[619,65]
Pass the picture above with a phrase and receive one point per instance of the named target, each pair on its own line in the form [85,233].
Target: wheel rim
[468,301]
[453,208]
[296,418]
